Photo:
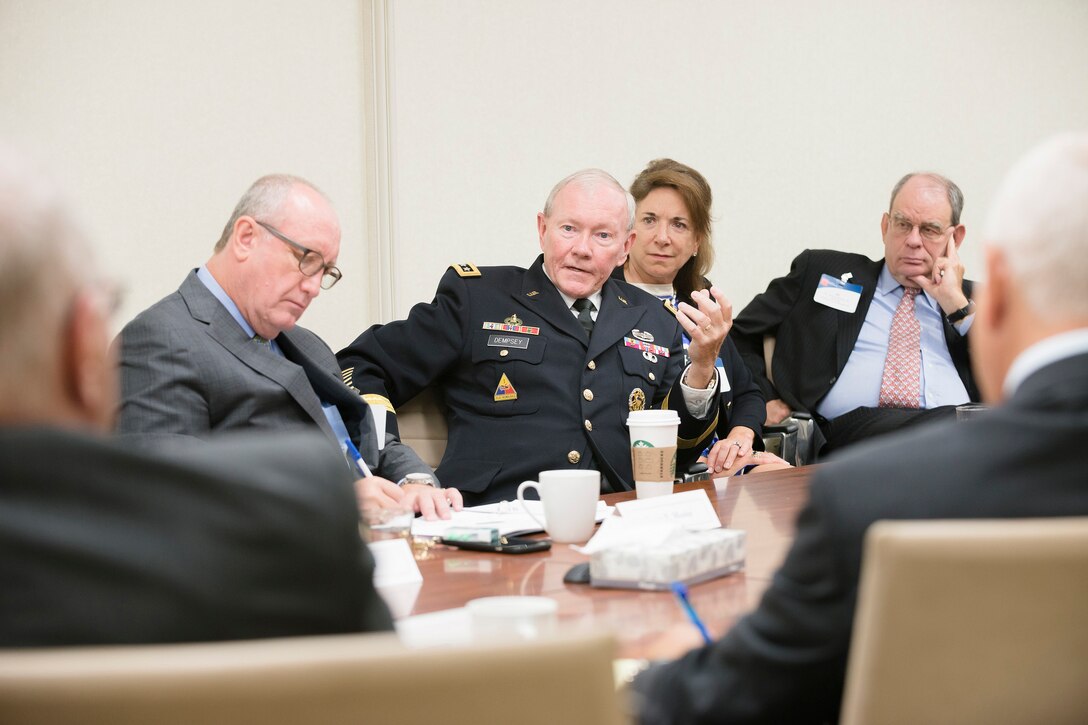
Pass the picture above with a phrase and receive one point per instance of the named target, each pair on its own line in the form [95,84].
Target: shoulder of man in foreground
[1023,459]
[249,535]
[288,486]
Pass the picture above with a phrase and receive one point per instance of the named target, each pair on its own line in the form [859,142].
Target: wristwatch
[962,312]
[420,479]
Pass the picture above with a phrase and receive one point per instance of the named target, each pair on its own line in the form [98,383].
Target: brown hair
[695,191]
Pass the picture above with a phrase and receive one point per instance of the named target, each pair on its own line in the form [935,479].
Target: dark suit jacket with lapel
[786,662]
[188,368]
[814,341]
[104,542]
[573,392]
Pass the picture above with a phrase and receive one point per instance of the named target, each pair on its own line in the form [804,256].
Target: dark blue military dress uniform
[526,388]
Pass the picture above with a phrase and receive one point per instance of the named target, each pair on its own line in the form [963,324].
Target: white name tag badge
[836,294]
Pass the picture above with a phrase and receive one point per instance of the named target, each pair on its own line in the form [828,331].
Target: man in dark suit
[102,542]
[534,377]
[870,346]
[224,352]
[1026,458]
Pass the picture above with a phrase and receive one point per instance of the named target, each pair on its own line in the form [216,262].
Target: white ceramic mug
[503,618]
[570,503]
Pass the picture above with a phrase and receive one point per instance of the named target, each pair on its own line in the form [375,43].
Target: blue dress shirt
[859,384]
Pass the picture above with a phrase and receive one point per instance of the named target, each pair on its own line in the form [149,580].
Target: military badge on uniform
[644,336]
[522,343]
[622,299]
[506,326]
[466,270]
[513,319]
[532,293]
[649,356]
[505,391]
[646,346]
[669,306]
[636,400]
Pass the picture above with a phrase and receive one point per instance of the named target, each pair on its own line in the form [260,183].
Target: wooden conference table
[765,505]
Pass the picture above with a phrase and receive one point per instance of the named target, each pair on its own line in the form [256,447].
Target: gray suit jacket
[104,542]
[188,368]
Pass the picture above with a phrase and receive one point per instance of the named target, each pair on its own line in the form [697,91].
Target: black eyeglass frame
[329,271]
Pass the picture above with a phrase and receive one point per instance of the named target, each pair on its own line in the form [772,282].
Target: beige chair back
[422,425]
[971,622]
[328,680]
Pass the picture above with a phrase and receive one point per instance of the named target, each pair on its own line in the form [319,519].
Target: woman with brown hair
[670,257]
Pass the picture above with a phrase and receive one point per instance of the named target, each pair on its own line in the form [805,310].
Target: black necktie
[584,307]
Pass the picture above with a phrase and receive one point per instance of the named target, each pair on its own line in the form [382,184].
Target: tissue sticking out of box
[689,557]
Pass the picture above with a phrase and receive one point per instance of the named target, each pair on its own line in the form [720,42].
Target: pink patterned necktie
[899,388]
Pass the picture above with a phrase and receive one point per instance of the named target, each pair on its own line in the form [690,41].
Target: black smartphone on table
[506,545]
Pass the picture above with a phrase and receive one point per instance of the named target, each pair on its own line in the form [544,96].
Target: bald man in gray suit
[224,352]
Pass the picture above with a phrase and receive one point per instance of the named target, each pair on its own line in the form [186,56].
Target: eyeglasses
[902,227]
[311,262]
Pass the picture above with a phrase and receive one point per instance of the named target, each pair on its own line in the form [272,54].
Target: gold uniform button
[589,425]
[503,353]
[574,456]
[652,376]
[592,365]
[587,394]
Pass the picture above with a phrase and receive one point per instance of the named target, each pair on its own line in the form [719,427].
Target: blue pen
[356,456]
[681,593]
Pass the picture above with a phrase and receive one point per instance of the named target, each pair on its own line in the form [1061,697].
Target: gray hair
[1039,218]
[955,196]
[262,200]
[44,261]
[590,178]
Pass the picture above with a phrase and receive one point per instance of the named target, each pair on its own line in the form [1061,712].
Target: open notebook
[507,516]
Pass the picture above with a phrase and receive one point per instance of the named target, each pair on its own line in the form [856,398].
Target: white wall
[158,115]
[801,114]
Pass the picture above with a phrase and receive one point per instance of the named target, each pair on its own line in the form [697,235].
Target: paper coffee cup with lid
[653,450]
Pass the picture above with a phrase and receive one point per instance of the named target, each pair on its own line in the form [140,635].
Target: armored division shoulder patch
[467,269]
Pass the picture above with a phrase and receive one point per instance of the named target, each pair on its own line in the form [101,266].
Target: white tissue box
[689,557]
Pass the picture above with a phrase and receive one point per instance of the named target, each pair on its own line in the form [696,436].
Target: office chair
[330,680]
[971,622]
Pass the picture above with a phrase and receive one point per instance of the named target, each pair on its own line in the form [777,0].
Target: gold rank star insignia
[513,320]
[505,391]
[466,270]
[636,400]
